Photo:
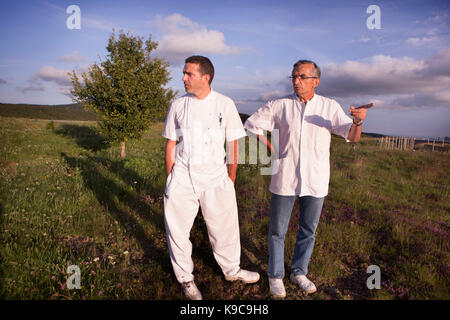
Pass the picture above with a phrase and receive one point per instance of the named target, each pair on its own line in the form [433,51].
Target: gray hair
[316,67]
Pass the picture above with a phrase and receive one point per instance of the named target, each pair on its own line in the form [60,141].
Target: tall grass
[67,198]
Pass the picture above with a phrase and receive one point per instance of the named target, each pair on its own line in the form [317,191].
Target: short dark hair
[316,67]
[205,65]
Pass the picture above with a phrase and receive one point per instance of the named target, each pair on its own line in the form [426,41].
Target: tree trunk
[122,149]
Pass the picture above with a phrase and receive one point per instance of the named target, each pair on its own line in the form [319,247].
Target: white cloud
[73,57]
[97,23]
[441,18]
[272,95]
[388,82]
[65,90]
[48,73]
[395,82]
[182,37]
[418,41]
[31,87]
[60,77]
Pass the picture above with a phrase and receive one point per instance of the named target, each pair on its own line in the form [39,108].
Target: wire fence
[410,143]
[397,143]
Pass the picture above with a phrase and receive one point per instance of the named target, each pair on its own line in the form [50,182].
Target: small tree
[127,89]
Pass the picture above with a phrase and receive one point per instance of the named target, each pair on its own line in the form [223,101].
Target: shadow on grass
[106,178]
[125,205]
[3,294]
[1,211]
[392,257]
[86,137]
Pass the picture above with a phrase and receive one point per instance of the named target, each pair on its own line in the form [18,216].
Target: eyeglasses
[302,77]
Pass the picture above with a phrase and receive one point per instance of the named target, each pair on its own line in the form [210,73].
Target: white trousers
[219,209]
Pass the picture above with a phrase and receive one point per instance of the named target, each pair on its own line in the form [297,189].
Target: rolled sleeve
[341,123]
[261,120]
[170,126]
[234,129]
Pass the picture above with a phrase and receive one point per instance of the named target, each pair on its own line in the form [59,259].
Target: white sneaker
[244,276]
[277,288]
[304,283]
[191,291]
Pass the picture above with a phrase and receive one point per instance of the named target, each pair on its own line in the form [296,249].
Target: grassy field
[67,198]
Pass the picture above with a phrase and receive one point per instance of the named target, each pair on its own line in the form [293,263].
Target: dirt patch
[346,214]
[78,243]
[10,167]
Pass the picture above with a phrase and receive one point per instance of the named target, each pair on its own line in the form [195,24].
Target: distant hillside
[243,117]
[56,112]
[72,112]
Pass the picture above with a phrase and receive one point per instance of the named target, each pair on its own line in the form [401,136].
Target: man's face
[304,87]
[194,81]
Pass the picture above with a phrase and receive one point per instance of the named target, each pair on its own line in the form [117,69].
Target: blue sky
[403,67]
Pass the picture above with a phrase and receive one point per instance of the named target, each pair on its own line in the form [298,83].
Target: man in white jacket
[304,121]
[198,175]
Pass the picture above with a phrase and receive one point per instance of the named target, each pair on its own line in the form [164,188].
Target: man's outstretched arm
[359,114]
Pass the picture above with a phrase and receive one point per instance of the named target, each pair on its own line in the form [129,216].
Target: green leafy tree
[128,89]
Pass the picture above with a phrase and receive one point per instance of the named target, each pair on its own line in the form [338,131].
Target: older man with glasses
[304,121]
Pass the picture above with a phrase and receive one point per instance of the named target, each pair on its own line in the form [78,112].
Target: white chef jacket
[202,125]
[303,167]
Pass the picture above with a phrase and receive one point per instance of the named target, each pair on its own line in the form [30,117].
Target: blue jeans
[280,214]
